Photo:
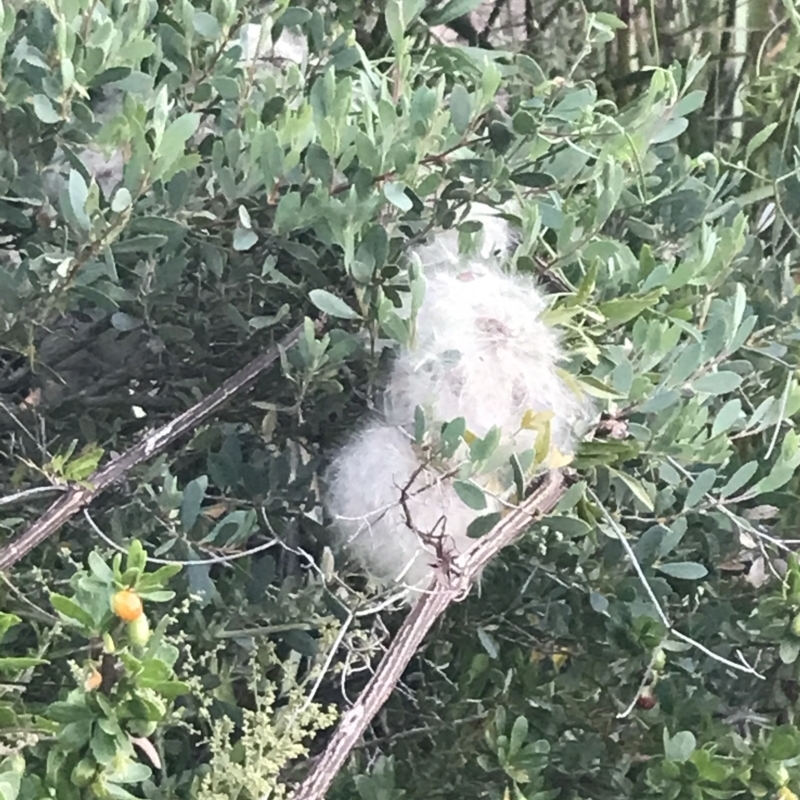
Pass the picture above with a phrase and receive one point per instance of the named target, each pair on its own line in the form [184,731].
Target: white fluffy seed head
[481,352]
[371,496]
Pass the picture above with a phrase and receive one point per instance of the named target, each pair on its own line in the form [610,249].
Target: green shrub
[120,309]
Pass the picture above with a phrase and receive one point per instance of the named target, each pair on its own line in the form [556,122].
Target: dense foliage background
[641,642]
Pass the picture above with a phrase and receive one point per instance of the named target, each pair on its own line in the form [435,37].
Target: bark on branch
[416,626]
[154,442]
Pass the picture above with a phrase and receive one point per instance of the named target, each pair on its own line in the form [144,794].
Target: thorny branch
[431,606]
[436,537]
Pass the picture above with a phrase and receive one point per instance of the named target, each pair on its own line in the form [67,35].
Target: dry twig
[79,496]
[446,589]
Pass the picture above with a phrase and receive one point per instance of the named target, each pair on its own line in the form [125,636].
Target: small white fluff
[369,491]
[482,353]
[289,46]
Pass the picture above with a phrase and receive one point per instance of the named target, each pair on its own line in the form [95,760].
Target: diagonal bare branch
[154,442]
[416,626]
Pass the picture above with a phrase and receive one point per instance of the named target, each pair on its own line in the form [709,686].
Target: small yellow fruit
[127,605]
[139,630]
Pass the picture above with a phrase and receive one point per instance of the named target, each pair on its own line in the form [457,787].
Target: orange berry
[93,681]
[127,605]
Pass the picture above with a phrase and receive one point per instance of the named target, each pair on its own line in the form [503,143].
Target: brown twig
[154,442]
[431,606]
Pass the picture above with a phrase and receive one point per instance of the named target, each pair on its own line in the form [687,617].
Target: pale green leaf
[685,570]
[470,494]
[727,416]
[43,108]
[739,479]
[703,483]
[717,383]
[395,193]
[679,747]
[759,139]
[332,305]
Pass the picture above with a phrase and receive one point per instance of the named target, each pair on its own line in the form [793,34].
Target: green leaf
[9,785]
[141,244]
[689,103]
[703,483]
[100,569]
[420,424]
[301,642]
[685,570]
[395,23]
[739,479]
[244,239]
[686,363]
[727,417]
[452,436]
[528,67]
[533,180]
[470,494]
[598,602]
[453,10]
[784,742]
[78,195]
[717,383]
[519,733]
[206,25]
[488,642]
[17,663]
[7,621]
[122,199]
[332,305]
[483,524]
[136,558]
[65,711]
[636,488]
[789,650]
[173,142]
[72,611]
[759,139]
[294,16]
[622,310]
[396,194]
[780,476]
[671,130]
[193,496]
[610,20]
[482,449]
[460,109]
[43,108]
[679,747]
